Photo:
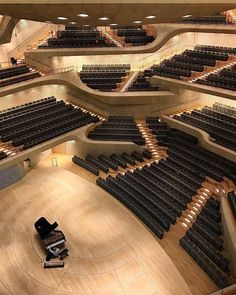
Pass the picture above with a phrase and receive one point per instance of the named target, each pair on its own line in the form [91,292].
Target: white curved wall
[23,30]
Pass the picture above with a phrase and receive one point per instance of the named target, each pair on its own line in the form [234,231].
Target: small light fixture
[150,17]
[187,16]
[137,22]
[103,18]
[113,25]
[72,23]
[62,18]
[83,14]
[86,25]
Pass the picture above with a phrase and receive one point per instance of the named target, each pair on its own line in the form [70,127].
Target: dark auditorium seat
[220,125]
[33,123]
[104,77]
[77,37]
[16,74]
[117,128]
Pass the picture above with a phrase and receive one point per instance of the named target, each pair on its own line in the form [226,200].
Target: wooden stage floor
[111,251]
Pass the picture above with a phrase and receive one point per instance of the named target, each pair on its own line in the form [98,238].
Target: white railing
[61,70]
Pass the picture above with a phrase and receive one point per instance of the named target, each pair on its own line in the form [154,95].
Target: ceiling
[120,12]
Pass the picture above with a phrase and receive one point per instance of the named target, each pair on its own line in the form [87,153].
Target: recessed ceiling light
[83,14]
[150,16]
[113,24]
[137,22]
[104,18]
[86,25]
[72,23]
[187,15]
[62,18]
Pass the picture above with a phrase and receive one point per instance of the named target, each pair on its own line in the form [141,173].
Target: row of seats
[224,109]
[209,19]
[19,78]
[22,107]
[222,129]
[85,164]
[190,61]
[40,121]
[16,74]
[104,163]
[203,242]
[106,67]
[226,79]
[117,128]
[222,49]
[133,36]
[14,71]
[139,40]
[74,37]
[78,33]
[232,202]
[104,78]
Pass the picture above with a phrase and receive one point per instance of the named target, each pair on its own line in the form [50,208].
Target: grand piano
[52,239]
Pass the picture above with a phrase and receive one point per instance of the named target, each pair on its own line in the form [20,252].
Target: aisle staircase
[131,79]
[213,70]
[151,142]
[112,40]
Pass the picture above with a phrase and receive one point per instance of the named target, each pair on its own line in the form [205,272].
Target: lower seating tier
[33,123]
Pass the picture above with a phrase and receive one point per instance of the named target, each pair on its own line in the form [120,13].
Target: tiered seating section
[219,121]
[118,128]
[208,20]
[16,74]
[104,77]
[226,79]
[78,37]
[232,202]
[33,123]
[112,162]
[203,243]
[158,193]
[142,84]
[190,63]
[133,35]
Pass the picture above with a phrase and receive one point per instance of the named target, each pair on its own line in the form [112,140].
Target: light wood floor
[111,252]
[197,280]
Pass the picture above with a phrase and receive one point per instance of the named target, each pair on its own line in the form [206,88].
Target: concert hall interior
[118,147]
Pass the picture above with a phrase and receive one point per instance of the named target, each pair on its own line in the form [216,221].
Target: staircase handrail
[24,43]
